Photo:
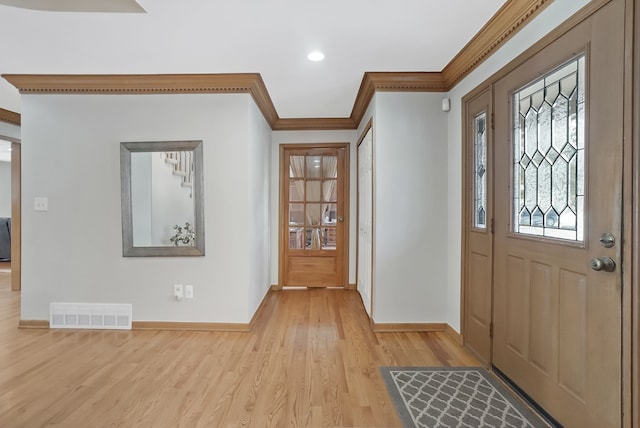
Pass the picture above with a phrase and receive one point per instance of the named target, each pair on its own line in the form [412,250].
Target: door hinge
[492,122]
[492,225]
[491,330]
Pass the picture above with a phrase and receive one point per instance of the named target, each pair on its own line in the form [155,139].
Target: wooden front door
[558,199]
[313,215]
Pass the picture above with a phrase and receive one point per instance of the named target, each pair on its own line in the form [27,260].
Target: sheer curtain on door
[315,191]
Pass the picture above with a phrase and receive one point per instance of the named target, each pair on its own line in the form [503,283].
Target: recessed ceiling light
[315,56]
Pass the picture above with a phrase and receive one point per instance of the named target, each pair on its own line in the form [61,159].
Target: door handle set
[606,264]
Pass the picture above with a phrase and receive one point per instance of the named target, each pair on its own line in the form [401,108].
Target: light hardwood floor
[311,360]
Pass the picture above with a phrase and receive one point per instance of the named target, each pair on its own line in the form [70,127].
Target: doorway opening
[10,211]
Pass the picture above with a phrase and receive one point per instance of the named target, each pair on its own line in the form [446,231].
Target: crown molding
[250,83]
[263,100]
[373,82]
[405,81]
[9,117]
[506,22]
[502,26]
[132,83]
[304,124]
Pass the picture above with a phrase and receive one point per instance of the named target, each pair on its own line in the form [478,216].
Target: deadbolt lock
[607,240]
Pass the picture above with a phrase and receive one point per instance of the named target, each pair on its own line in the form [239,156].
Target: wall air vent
[91,315]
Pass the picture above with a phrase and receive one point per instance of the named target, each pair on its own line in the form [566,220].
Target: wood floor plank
[311,360]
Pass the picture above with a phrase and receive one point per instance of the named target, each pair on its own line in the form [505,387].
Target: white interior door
[365,219]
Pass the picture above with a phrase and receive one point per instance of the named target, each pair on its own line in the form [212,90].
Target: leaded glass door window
[480,173]
[549,164]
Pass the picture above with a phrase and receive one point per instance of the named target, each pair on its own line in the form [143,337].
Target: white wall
[308,137]
[73,252]
[9,130]
[410,214]
[5,189]
[556,13]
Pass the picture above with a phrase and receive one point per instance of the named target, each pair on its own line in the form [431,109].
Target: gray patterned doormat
[439,397]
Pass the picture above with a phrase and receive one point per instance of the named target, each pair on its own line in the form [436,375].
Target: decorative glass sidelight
[480,175]
[548,147]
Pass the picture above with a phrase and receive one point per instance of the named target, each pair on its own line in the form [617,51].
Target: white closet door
[365,220]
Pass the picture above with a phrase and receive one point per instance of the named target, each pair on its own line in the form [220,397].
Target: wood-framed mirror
[162,198]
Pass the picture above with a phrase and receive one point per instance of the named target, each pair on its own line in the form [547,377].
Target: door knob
[340,218]
[606,264]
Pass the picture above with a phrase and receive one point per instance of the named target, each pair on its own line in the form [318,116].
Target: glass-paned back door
[313,215]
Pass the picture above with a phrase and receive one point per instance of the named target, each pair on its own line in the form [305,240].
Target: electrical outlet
[178,291]
[188,291]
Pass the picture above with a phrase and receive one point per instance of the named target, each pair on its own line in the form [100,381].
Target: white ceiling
[272,38]
[127,6]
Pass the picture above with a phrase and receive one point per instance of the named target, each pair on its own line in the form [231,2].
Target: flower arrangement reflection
[183,235]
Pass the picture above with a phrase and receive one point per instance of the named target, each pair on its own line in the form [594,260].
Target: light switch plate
[41,204]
